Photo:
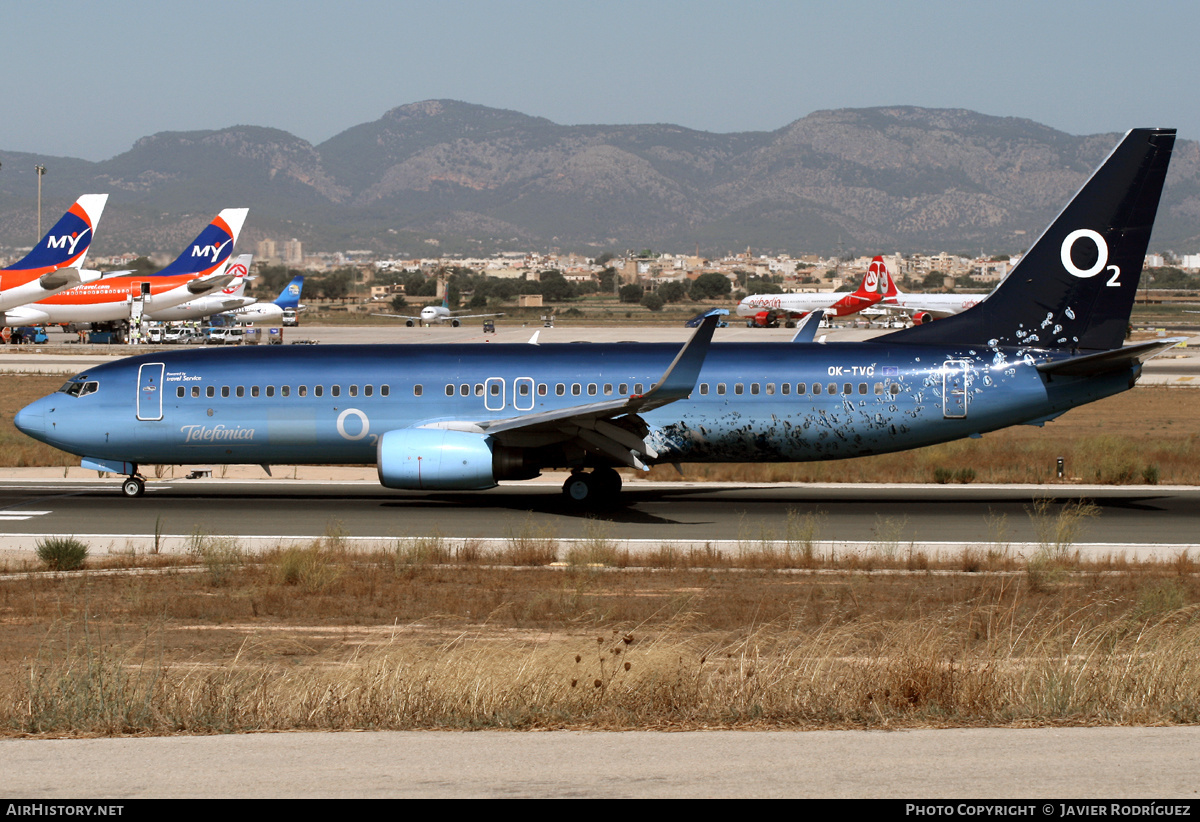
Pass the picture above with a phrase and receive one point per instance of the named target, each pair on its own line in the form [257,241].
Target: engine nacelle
[423,459]
[439,459]
[922,317]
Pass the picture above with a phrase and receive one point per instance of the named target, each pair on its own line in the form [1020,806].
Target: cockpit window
[79,388]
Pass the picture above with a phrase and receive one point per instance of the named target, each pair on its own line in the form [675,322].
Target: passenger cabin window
[270,390]
[384,390]
[302,390]
[354,390]
[241,391]
[368,390]
[703,389]
[285,390]
[195,391]
[211,391]
[335,390]
[224,390]
[417,389]
[720,388]
[179,392]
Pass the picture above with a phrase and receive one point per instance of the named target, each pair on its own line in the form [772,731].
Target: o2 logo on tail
[1101,263]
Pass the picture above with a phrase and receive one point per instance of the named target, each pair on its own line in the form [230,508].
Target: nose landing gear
[134,485]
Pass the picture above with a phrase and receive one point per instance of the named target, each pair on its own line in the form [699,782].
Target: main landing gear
[600,487]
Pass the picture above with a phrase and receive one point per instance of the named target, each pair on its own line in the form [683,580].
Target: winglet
[806,330]
[680,377]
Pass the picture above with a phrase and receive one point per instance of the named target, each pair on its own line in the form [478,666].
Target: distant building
[293,252]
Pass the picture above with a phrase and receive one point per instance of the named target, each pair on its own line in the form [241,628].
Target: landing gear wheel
[607,482]
[133,487]
[580,489]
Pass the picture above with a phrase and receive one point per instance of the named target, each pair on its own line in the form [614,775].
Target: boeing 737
[273,311]
[467,417]
[229,298]
[766,310]
[55,263]
[201,268]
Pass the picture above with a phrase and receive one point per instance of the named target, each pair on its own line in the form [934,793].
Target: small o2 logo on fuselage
[1101,263]
[364,426]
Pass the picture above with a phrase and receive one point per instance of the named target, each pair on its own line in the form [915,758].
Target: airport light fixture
[41,172]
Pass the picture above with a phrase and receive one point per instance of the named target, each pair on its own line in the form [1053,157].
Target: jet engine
[439,459]
[922,317]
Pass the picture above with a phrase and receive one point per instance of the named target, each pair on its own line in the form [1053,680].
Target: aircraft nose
[31,420]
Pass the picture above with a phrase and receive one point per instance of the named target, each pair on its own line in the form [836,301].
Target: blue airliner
[465,417]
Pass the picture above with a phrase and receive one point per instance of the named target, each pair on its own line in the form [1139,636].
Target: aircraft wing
[473,316]
[396,316]
[67,278]
[611,427]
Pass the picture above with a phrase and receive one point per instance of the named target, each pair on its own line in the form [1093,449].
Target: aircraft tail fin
[887,285]
[1074,289]
[875,282]
[212,247]
[239,269]
[290,296]
[68,241]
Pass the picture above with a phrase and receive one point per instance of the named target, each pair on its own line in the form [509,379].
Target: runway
[1136,521]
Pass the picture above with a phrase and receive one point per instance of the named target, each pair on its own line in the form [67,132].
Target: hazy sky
[86,79]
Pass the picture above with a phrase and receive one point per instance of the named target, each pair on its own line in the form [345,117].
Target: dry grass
[435,636]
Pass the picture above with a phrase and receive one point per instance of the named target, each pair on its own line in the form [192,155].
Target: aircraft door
[493,394]
[150,391]
[955,380]
[523,393]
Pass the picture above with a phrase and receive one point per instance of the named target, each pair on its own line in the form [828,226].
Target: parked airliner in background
[466,417]
[200,269]
[272,312]
[230,297]
[438,314]
[55,263]
[767,310]
[920,308]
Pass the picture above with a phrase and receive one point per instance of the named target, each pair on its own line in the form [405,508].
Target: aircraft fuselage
[752,402]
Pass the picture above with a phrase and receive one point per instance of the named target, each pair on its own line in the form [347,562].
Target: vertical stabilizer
[68,241]
[1074,289]
[212,248]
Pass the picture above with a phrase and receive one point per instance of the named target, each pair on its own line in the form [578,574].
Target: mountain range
[443,176]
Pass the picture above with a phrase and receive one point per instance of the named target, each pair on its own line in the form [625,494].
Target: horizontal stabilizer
[67,278]
[1118,359]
